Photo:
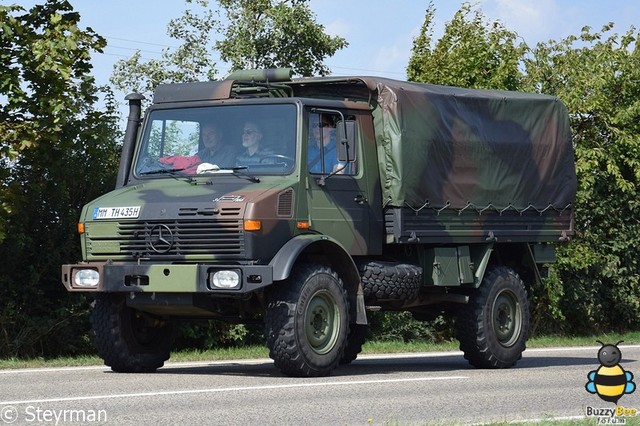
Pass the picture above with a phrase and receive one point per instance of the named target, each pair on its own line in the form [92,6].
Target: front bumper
[164,278]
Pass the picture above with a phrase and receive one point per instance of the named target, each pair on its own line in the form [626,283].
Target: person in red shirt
[212,150]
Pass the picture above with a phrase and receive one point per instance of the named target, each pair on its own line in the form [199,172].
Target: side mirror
[346,140]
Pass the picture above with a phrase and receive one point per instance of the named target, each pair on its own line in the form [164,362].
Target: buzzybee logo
[610,382]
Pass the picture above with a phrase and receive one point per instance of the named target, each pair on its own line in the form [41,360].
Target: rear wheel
[128,340]
[493,327]
[307,321]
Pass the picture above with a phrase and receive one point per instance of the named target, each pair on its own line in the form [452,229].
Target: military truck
[422,198]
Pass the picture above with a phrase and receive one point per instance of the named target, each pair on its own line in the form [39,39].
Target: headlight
[86,278]
[226,279]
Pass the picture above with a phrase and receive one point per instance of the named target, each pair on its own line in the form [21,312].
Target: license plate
[116,212]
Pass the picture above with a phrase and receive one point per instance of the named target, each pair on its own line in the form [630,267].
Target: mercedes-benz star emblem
[161,239]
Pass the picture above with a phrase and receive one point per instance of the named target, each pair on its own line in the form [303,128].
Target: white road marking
[231,389]
[53,369]
[578,348]
[536,420]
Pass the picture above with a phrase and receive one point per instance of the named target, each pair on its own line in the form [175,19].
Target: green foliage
[595,285]
[401,326]
[271,34]
[469,54]
[57,152]
[546,313]
[43,60]
[191,61]
[256,34]
[596,74]
[217,334]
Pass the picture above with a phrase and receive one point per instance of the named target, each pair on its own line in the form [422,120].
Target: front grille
[173,240]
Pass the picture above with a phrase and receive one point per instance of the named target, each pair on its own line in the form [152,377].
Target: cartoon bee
[610,381]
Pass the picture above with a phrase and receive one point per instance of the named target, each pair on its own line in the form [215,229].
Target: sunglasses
[250,132]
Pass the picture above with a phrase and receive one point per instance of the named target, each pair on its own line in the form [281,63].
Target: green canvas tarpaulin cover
[447,147]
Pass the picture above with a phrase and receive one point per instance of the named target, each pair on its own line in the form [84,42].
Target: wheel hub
[319,322]
[322,322]
[507,318]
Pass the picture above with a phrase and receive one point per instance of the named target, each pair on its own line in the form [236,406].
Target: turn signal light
[303,224]
[252,225]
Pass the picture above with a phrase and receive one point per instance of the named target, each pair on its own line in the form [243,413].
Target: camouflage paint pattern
[442,165]
[462,165]
[206,218]
[446,147]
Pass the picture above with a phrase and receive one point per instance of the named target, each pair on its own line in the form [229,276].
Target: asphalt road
[405,389]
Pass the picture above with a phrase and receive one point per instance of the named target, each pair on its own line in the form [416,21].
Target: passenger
[252,142]
[323,144]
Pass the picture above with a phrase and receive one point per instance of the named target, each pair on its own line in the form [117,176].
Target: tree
[275,33]
[469,54]
[57,152]
[596,75]
[35,70]
[257,34]
[595,285]
[191,61]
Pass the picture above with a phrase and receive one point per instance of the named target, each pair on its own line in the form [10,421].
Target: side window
[323,148]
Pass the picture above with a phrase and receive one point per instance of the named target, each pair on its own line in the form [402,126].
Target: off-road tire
[307,321]
[493,327]
[357,337]
[127,340]
[390,280]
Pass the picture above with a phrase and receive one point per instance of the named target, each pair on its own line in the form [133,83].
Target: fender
[523,262]
[530,262]
[286,257]
[284,260]
[482,261]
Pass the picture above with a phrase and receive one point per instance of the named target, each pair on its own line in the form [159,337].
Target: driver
[213,150]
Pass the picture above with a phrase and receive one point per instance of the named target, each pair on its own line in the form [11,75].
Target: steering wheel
[287,161]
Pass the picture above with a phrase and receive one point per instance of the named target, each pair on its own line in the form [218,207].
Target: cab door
[342,201]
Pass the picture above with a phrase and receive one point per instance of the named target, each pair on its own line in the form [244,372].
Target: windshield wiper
[239,171]
[174,173]
[159,171]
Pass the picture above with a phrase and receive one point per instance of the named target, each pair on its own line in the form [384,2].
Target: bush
[402,326]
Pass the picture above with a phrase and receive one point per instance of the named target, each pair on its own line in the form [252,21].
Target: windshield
[258,139]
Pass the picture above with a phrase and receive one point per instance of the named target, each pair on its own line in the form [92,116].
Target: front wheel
[129,341]
[493,327]
[357,337]
[307,322]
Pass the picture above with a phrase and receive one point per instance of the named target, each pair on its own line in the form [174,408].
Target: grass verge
[373,347]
